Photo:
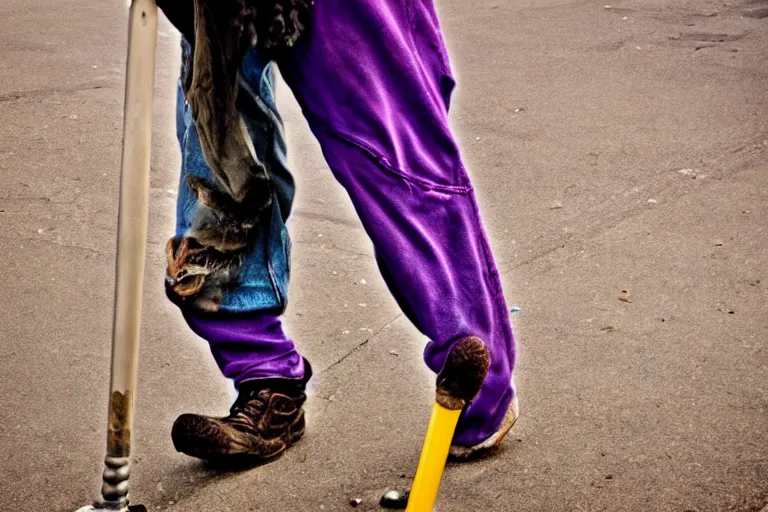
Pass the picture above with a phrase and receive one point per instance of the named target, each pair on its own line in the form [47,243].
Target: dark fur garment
[272,24]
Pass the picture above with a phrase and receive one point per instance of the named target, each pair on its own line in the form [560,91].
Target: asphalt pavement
[619,154]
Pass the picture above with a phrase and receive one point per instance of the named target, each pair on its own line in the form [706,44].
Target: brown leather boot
[265,420]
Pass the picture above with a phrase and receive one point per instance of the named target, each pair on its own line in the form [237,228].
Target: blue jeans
[262,282]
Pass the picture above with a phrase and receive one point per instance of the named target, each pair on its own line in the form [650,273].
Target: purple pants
[374,82]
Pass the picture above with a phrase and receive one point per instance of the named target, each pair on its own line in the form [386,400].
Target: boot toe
[204,438]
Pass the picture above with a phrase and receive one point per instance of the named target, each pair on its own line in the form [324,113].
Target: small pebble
[356,502]
[393,352]
[514,309]
[394,500]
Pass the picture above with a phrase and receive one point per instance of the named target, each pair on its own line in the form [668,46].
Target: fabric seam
[385,164]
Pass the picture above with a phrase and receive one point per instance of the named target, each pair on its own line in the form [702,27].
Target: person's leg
[234,299]
[374,82]
[243,330]
[248,346]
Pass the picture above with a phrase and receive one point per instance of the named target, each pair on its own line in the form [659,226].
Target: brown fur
[463,374]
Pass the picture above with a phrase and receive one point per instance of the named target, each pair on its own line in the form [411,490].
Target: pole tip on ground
[463,374]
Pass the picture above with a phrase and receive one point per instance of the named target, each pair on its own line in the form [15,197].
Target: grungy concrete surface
[615,148]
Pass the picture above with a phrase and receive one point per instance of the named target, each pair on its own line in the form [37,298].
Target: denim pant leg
[245,334]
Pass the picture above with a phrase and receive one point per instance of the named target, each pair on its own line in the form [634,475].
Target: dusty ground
[613,148]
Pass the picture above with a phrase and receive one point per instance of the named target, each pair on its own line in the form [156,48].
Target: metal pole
[131,249]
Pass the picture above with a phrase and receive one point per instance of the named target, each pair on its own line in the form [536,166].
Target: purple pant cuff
[248,346]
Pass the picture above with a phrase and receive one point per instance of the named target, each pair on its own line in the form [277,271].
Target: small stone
[652,201]
[609,477]
[356,502]
[514,309]
[363,281]
[394,500]
[394,353]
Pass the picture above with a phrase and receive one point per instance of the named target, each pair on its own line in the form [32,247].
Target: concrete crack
[54,242]
[326,218]
[359,346]
[17,95]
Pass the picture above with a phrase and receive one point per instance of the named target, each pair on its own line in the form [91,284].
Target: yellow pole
[434,454]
